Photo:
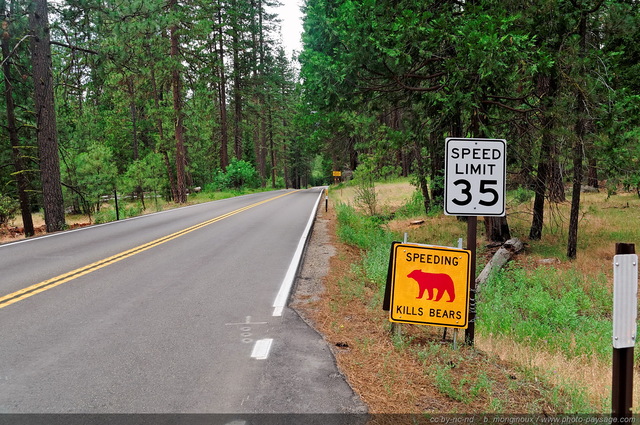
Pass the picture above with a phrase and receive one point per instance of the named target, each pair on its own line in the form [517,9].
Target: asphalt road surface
[182,311]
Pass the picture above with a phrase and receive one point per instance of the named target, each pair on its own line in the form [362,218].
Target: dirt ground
[15,232]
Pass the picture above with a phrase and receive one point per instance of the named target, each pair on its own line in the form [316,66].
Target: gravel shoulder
[310,287]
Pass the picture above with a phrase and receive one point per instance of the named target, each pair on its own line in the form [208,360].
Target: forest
[142,96]
[162,96]
[557,79]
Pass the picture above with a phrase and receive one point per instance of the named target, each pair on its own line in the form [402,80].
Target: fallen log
[500,258]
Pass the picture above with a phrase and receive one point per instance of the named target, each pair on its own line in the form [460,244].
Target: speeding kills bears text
[433,312]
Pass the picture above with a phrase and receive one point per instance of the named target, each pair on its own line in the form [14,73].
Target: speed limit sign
[475,172]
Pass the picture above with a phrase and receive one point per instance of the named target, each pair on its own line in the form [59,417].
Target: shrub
[522,195]
[8,209]
[239,174]
[366,196]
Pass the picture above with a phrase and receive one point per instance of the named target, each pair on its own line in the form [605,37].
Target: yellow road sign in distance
[430,285]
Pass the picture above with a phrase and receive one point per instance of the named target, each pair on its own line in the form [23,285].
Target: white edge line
[285,288]
[94,226]
[261,349]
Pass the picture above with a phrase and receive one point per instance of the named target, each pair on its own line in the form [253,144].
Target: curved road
[176,312]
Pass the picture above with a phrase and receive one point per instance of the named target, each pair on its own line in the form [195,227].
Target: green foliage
[548,308]
[96,171]
[8,209]
[239,174]
[522,195]
[367,233]
[144,175]
[126,210]
[364,179]
[413,208]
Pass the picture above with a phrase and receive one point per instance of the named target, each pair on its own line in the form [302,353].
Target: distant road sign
[430,285]
[475,174]
[337,174]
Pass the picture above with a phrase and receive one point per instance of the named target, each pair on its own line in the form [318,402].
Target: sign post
[475,175]
[625,312]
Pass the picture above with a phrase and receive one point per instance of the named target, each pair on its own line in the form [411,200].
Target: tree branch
[507,107]
[14,49]
[81,49]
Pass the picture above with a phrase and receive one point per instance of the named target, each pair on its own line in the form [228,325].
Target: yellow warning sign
[429,285]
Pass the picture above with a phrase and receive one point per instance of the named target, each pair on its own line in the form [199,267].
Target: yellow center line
[74,274]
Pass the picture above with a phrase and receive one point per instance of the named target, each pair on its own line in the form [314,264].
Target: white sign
[475,171]
[625,300]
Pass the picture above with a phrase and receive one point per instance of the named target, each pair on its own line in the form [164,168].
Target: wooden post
[115,196]
[472,231]
[622,376]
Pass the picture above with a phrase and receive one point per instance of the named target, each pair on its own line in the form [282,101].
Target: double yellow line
[74,274]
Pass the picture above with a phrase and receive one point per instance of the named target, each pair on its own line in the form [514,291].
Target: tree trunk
[578,152]
[547,88]
[261,149]
[47,132]
[496,228]
[134,118]
[437,167]
[12,126]
[273,148]
[499,259]
[222,96]
[162,149]
[179,117]
[237,82]
[592,177]
[555,180]
[422,179]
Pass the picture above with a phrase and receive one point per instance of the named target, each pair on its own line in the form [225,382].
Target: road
[177,312]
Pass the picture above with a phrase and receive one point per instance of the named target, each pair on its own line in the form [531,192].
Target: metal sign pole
[472,232]
[624,329]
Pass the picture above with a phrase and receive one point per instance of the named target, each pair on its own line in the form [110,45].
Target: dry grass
[391,196]
[586,372]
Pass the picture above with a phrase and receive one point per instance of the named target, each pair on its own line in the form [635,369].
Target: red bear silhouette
[430,281]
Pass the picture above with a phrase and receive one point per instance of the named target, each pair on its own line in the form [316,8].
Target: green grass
[548,308]
[368,234]
[129,209]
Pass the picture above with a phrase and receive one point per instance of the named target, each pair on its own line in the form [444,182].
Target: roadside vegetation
[238,178]
[543,340]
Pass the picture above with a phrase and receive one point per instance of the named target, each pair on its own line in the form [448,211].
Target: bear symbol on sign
[433,281]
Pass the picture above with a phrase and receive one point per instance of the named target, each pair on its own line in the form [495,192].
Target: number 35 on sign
[475,171]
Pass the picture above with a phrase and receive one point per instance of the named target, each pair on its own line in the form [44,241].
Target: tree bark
[555,181]
[47,132]
[162,148]
[222,96]
[237,82]
[496,228]
[499,259]
[578,152]
[422,178]
[176,83]
[134,117]
[547,87]
[12,126]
